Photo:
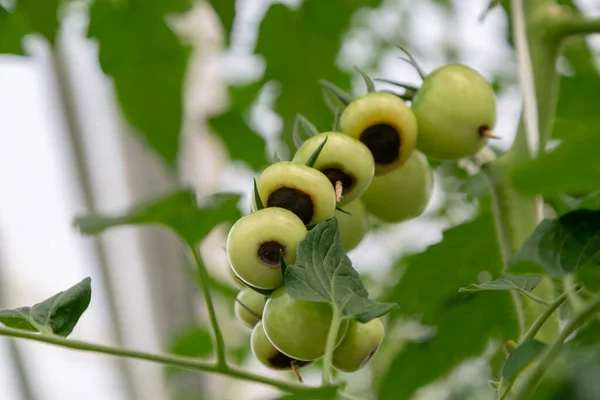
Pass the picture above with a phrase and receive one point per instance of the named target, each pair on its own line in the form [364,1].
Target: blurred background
[123,111]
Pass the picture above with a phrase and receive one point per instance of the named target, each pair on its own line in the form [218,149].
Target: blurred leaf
[324,393]
[464,322]
[194,342]
[323,273]
[225,9]
[147,62]
[57,315]
[12,31]
[177,211]
[521,357]
[41,16]
[525,282]
[577,103]
[241,141]
[564,244]
[300,47]
[588,335]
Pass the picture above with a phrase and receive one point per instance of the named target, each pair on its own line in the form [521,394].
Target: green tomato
[456,112]
[298,328]
[268,355]
[360,344]
[385,124]
[402,194]
[343,159]
[303,190]
[249,306]
[255,241]
[235,279]
[354,227]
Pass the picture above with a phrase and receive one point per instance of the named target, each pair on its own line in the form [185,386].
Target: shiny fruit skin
[343,153]
[264,351]
[402,194]
[249,232]
[359,345]
[249,306]
[454,103]
[353,228]
[298,328]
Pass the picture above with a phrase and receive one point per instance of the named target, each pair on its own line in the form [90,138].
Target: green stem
[568,24]
[548,357]
[336,320]
[204,282]
[577,302]
[545,316]
[168,360]
[533,297]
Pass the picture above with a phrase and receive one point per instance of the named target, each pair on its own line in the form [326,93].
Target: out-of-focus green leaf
[225,9]
[520,357]
[300,47]
[147,62]
[325,393]
[177,211]
[577,103]
[12,30]
[193,342]
[57,315]
[241,141]
[526,283]
[563,245]
[29,16]
[463,322]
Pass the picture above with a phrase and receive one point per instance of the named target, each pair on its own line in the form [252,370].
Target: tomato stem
[336,321]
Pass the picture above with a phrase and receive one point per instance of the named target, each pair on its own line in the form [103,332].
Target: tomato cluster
[374,164]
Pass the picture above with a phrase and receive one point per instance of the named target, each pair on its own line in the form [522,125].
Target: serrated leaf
[147,62]
[323,273]
[291,40]
[563,245]
[523,282]
[463,323]
[232,127]
[57,315]
[177,211]
[521,357]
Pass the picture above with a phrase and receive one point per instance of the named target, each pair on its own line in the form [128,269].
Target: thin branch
[569,24]
[165,359]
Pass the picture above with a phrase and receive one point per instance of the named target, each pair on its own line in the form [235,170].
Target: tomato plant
[515,284]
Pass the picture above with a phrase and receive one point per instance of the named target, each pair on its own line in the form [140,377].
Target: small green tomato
[354,227]
[303,190]
[249,306]
[402,194]
[385,124]
[298,328]
[360,344]
[268,355]
[255,241]
[343,159]
[456,112]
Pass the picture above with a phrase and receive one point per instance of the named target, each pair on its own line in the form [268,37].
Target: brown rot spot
[268,252]
[369,356]
[337,175]
[294,200]
[281,361]
[384,142]
[485,132]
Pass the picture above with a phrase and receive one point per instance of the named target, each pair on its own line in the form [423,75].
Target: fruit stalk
[218,336]
[336,321]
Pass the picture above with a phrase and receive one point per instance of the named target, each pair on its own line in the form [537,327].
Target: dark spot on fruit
[483,129]
[369,356]
[384,142]
[337,175]
[268,252]
[293,200]
[281,361]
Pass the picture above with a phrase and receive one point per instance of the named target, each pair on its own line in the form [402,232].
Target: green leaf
[291,41]
[193,342]
[315,155]
[225,9]
[12,30]
[573,166]
[57,315]
[147,62]
[323,393]
[524,282]
[521,357]
[323,273]
[177,211]
[41,16]
[464,323]
[242,142]
[577,102]
[367,79]
[563,245]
